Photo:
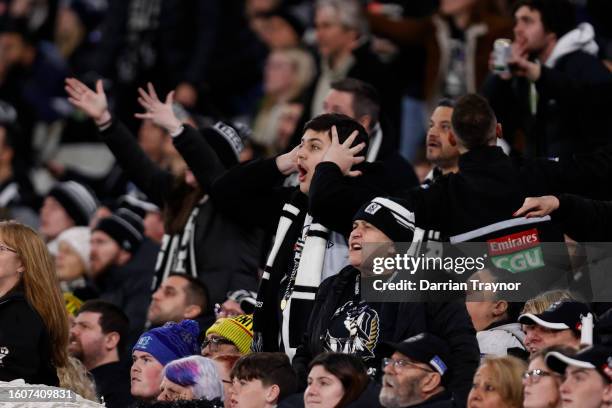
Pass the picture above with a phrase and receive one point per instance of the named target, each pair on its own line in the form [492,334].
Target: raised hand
[287,163]
[537,206]
[520,65]
[159,112]
[343,154]
[93,104]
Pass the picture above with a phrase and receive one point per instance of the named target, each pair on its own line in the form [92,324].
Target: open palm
[93,104]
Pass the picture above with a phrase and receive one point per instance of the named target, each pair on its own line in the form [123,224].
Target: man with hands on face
[316,218]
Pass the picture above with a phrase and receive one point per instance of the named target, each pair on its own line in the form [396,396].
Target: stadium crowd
[192,193]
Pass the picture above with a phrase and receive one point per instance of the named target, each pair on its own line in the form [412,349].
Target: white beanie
[78,239]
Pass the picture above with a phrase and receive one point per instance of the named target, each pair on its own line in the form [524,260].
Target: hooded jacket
[570,115]
[25,345]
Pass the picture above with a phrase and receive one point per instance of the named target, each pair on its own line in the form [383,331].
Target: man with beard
[550,92]
[414,374]
[180,297]
[97,338]
[122,267]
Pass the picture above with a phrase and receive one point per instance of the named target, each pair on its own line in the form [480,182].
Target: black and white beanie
[125,227]
[389,216]
[137,204]
[227,140]
[79,202]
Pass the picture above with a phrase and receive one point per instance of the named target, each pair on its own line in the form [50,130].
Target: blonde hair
[40,285]
[302,64]
[74,377]
[541,302]
[506,374]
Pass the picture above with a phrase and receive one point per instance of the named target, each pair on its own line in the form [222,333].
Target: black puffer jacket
[398,321]
[25,346]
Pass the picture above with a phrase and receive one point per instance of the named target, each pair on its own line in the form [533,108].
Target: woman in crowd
[33,320]
[497,384]
[286,75]
[72,259]
[540,383]
[494,318]
[191,378]
[335,380]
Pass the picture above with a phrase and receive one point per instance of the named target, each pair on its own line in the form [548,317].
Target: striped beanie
[389,216]
[238,330]
[79,202]
[125,227]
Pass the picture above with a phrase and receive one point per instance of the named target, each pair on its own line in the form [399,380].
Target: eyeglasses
[227,382]
[533,376]
[400,364]
[4,248]
[214,342]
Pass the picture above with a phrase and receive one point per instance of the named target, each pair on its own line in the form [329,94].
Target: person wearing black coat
[21,325]
[339,304]
[258,186]
[535,99]
[200,240]
[33,318]
[583,219]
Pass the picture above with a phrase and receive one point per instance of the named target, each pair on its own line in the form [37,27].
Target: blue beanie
[171,341]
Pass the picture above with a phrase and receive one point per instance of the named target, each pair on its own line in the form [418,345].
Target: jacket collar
[15,293]
[481,155]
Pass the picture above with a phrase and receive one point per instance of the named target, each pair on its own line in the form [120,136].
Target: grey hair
[197,372]
[349,12]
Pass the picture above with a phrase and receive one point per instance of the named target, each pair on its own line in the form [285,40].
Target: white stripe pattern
[402,215]
[487,229]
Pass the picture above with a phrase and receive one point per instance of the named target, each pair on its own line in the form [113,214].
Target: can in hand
[502,52]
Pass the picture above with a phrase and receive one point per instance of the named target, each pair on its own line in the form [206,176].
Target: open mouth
[355,246]
[301,172]
[433,143]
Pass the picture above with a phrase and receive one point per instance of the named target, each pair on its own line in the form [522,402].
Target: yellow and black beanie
[238,330]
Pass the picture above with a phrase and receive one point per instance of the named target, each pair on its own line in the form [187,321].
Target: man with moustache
[121,269]
[97,338]
[414,373]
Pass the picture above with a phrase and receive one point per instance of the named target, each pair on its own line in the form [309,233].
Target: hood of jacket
[582,38]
